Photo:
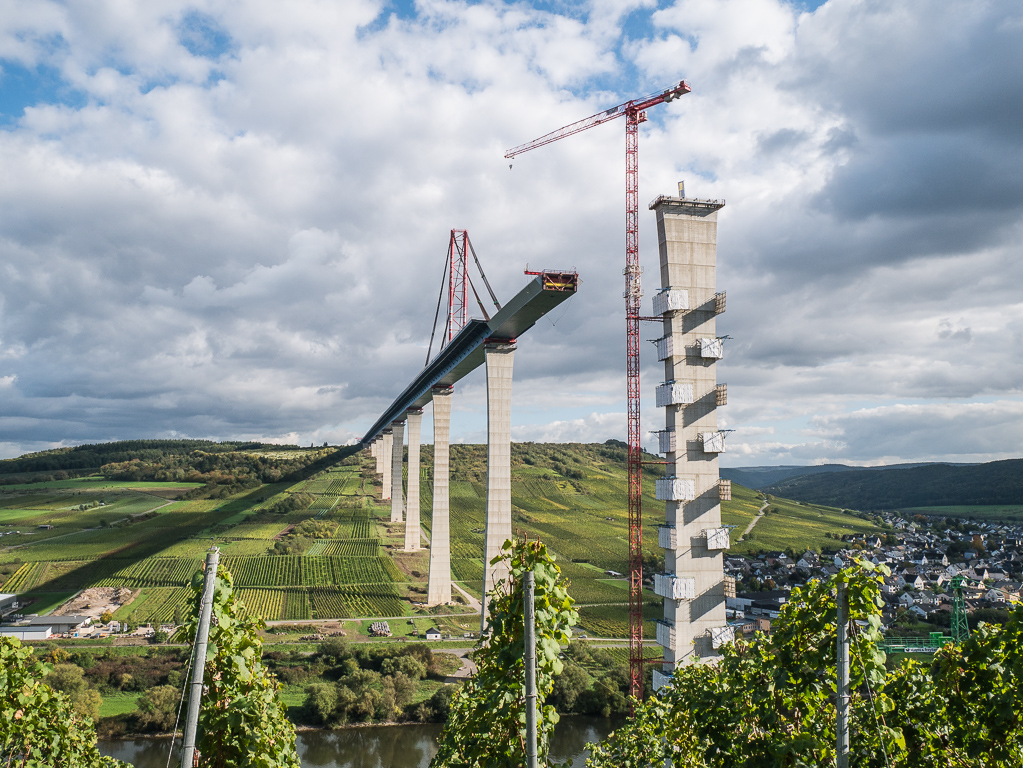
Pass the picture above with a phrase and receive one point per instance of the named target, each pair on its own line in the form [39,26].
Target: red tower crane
[634,114]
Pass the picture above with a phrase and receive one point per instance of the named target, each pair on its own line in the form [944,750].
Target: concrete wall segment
[397,467]
[414,418]
[438,590]
[499,361]
[385,450]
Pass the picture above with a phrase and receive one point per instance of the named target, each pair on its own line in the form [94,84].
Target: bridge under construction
[692,537]
[490,342]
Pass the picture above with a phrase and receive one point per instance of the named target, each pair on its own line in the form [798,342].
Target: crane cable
[483,274]
[436,314]
[181,701]
[870,693]
[478,301]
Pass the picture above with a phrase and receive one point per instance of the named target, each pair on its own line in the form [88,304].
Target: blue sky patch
[22,87]
[202,35]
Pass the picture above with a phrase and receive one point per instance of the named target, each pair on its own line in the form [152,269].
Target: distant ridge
[92,456]
[895,487]
[762,477]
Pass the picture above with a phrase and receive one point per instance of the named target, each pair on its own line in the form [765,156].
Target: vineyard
[375,600]
[154,572]
[22,579]
[322,547]
[276,604]
[355,525]
[346,547]
[160,604]
[256,530]
[284,570]
[613,620]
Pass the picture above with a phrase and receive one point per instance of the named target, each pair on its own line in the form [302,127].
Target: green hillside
[323,547]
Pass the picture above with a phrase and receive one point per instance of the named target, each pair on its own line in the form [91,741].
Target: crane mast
[634,113]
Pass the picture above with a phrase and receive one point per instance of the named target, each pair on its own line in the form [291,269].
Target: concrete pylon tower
[397,465]
[385,464]
[694,542]
[414,416]
[438,590]
[499,359]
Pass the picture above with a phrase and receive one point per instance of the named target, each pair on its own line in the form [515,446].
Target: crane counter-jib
[465,352]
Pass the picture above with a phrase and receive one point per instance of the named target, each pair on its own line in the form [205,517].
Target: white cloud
[232,222]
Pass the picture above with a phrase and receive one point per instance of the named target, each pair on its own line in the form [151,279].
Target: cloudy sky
[228,218]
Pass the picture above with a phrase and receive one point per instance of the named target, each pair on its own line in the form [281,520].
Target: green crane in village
[960,626]
[935,640]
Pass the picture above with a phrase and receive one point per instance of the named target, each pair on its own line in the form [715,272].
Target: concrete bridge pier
[499,359]
[385,464]
[397,465]
[414,417]
[438,591]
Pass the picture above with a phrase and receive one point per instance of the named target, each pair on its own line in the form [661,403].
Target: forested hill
[997,482]
[95,456]
[204,461]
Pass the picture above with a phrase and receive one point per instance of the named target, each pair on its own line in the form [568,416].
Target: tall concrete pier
[438,589]
[692,537]
[397,465]
[414,417]
[499,359]
[385,468]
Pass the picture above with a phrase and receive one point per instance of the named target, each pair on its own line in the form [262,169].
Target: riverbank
[376,745]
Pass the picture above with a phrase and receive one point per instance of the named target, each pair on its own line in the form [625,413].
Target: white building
[27,633]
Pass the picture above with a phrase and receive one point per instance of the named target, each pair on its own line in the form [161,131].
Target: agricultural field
[322,547]
[288,604]
[986,512]
[156,605]
[741,510]
[346,547]
[801,525]
[612,621]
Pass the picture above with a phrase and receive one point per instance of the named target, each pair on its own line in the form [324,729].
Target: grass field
[991,512]
[44,602]
[741,510]
[801,526]
[118,704]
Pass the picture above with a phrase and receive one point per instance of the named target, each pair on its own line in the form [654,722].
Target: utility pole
[530,640]
[199,659]
[842,694]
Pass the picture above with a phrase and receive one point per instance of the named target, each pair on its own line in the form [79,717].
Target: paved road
[370,618]
[749,527]
[473,602]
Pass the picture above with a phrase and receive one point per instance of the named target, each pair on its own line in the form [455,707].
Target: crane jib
[635,115]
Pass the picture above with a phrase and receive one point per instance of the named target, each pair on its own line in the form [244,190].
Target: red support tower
[457,282]
[633,298]
[634,115]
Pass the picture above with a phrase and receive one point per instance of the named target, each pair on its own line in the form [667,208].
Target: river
[376,746]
